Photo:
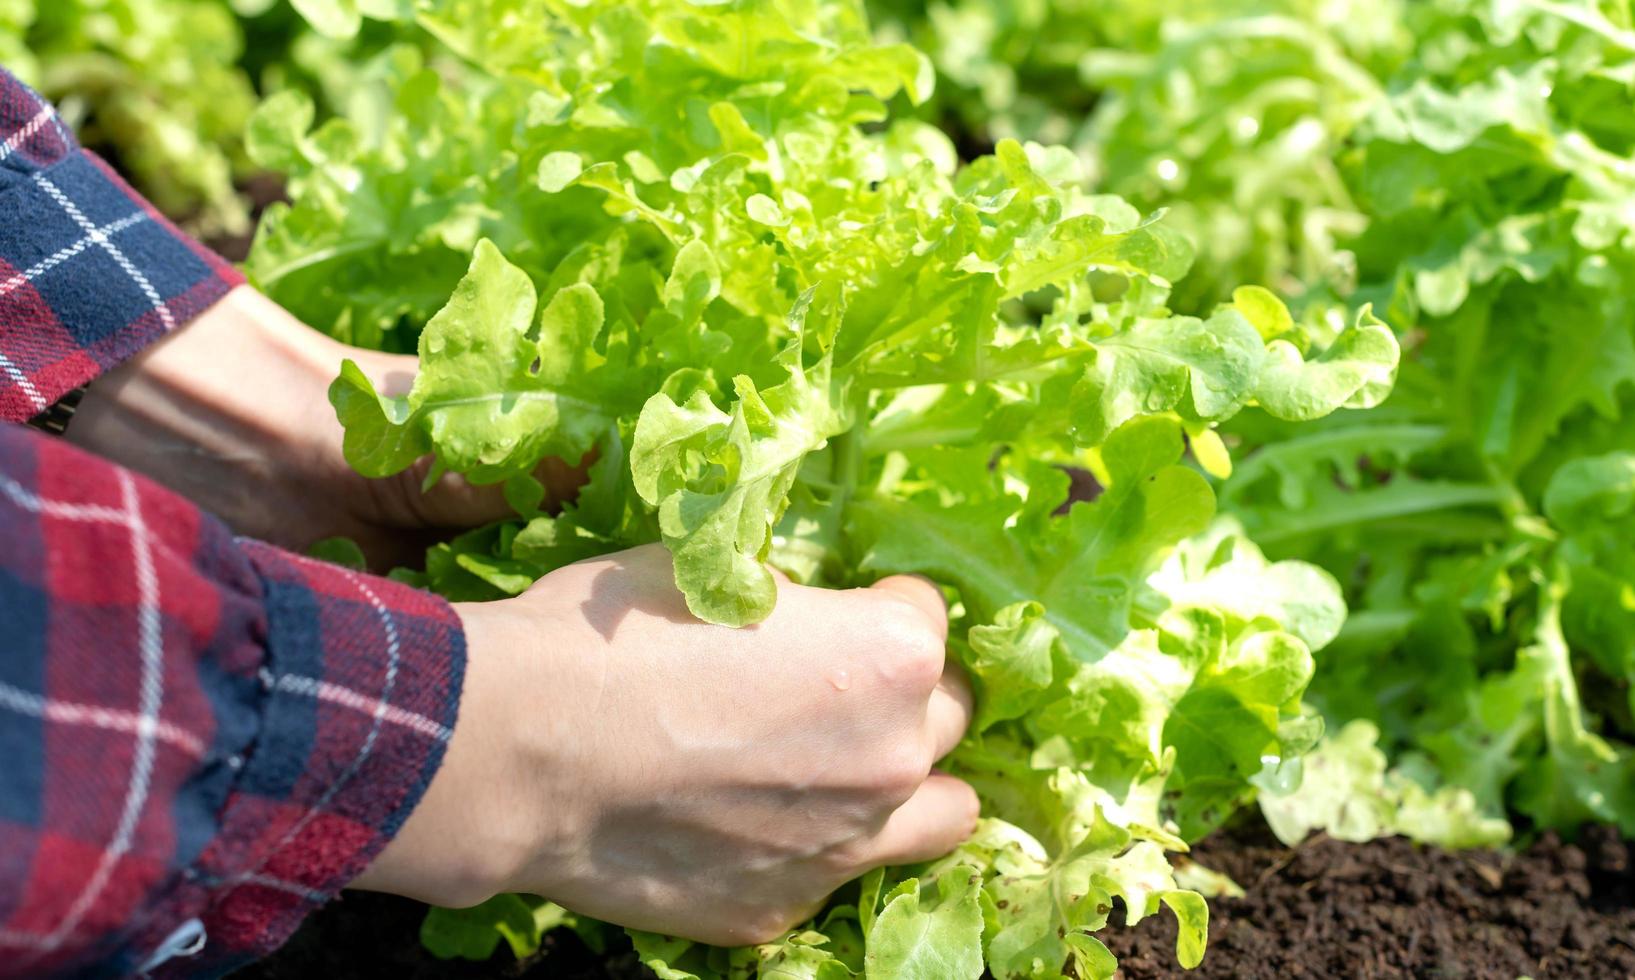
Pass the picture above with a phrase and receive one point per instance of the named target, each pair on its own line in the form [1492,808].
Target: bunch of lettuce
[1469,167]
[1482,518]
[689,235]
[1230,113]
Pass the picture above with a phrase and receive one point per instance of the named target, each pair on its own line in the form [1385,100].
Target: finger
[392,374]
[455,502]
[922,595]
[949,713]
[936,819]
[563,480]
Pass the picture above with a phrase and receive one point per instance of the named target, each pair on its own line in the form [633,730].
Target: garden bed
[1385,909]
[1390,908]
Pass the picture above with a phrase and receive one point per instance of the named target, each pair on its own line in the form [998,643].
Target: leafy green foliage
[15,17]
[711,241]
[799,334]
[1348,792]
[475,933]
[1488,176]
[911,937]
[1230,113]
[1467,167]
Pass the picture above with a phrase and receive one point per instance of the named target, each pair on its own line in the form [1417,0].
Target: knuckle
[915,653]
[900,770]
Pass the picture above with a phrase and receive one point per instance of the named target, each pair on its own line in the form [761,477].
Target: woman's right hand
[623,759]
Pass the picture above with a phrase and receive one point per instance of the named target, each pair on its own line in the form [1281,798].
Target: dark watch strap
[54,420]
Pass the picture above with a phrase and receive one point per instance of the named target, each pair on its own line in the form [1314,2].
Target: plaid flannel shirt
[201,738]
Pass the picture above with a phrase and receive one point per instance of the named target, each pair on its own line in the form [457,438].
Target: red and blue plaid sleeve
[90,273]
[202,738]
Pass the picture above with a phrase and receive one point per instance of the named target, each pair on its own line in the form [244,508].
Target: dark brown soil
[1325,909]
[1391,909]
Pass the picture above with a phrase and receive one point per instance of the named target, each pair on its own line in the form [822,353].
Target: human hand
[623,759]
[232,411]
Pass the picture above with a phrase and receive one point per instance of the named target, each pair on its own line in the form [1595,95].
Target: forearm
[230,411]
[198,729]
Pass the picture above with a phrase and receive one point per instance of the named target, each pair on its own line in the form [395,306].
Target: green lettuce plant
[1466,166]
[1499,177]
[798,333]
[1231,114]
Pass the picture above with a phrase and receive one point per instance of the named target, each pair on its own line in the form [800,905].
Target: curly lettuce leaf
[495,393]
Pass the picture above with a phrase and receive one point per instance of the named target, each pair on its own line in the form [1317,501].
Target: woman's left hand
[232,411]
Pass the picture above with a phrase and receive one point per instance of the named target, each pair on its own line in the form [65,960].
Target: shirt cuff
[360,686]
[90,273]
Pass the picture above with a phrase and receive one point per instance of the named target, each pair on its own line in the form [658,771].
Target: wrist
[487,823]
